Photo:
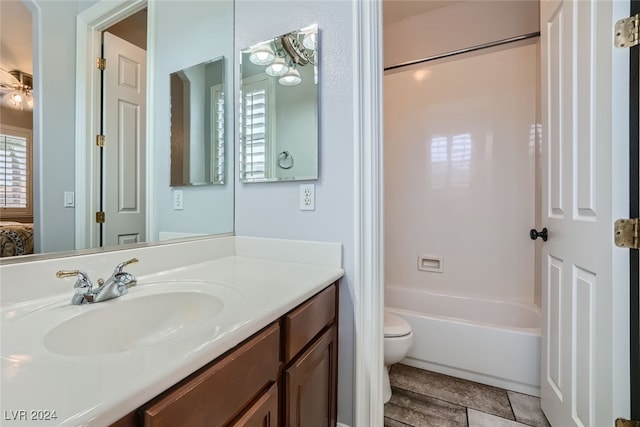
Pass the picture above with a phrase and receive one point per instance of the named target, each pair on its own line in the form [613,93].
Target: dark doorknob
[534,234]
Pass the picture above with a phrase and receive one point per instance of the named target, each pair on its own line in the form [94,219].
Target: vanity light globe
[292,78]
[262,56]
[309,41]
[277,68]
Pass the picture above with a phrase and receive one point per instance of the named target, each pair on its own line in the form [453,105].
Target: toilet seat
[395,326]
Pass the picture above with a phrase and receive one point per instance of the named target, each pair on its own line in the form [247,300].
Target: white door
[124,151]
[585,282]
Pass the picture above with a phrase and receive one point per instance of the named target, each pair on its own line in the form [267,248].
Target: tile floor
[428,399]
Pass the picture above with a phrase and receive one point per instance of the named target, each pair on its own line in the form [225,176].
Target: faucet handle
[122,265]
[83,281]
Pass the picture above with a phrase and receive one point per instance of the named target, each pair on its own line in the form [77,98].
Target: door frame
[90,24]
[368,288]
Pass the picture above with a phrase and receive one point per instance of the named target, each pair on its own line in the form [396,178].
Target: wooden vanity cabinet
[311,352]
[285,375]
[311,385]
[263,413]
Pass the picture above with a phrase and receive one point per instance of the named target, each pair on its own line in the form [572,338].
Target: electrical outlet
[308,197]
[178,201]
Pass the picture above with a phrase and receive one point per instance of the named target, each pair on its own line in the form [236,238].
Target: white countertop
[99,390]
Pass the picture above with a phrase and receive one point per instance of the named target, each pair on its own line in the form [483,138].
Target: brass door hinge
[101,140]
[101,64]
[100,217]
[621,422]
[626,32]
[627,233]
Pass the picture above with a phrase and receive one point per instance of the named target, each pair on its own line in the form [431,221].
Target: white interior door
[124,151]
[585,374]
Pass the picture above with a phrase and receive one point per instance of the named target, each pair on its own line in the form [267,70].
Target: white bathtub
[489,341]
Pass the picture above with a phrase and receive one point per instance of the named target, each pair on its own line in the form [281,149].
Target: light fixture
[284,55]
[17,87]
[291,78]
[262,55]
[277,68]
[309,40]
[16,97]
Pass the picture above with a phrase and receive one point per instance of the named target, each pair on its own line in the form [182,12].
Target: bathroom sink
[124,324]
[148,315]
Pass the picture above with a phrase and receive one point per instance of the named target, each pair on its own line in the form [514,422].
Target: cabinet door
[263,413]
[311,385]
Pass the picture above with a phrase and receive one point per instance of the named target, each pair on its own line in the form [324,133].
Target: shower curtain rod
[465,50]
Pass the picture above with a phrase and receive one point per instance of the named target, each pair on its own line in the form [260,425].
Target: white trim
[37,161]
[90,24]
[151,129]
[369,250]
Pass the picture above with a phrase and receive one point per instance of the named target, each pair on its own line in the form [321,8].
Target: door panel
[582,386]
[581,383]
[124,151]
[554,322]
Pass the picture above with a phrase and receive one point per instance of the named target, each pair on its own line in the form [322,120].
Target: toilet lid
[395,326]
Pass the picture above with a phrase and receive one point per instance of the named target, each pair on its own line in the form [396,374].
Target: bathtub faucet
[115,286]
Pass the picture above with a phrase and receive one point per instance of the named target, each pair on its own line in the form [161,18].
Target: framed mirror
[197,124]
[279,108]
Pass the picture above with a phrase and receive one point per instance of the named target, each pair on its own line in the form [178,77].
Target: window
[15,173]
[217,135]
[257,128]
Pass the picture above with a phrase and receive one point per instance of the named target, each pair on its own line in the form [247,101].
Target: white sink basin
[127,323]
[148,315]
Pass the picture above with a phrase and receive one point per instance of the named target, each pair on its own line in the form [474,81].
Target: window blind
[255,130]
[14,173]
[218,143]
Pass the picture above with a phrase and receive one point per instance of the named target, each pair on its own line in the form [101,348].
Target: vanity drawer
[219,392]
[308,320]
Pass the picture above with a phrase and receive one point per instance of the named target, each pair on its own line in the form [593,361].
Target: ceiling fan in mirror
[16,89]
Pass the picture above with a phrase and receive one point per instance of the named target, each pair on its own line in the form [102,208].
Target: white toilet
[398,338]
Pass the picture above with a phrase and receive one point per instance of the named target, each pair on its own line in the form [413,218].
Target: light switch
[69,199]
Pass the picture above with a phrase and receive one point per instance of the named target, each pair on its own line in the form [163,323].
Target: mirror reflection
[279,116]
[197,124]
[64,200]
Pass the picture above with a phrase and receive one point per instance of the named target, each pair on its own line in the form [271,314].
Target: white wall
[188,33]
[271,209]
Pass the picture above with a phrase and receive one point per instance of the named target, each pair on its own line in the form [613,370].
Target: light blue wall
[54,120]
[188,33]
[271,209]
[297,125]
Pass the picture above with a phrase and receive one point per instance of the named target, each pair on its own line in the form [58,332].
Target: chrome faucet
[115,286]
